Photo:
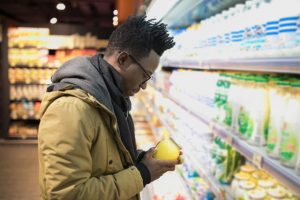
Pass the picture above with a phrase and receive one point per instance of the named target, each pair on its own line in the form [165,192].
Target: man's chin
[130,94]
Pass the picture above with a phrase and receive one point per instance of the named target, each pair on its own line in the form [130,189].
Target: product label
[298,33]
[243,121]
[250,127]
[272,139]
[260,39]
[228,114]
[288,145]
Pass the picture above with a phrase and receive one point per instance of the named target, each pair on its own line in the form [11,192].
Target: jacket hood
[82,73]
[50,97]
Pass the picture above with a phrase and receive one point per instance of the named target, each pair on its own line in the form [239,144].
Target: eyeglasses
[149,76]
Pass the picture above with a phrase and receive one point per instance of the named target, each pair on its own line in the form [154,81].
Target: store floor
[18,172]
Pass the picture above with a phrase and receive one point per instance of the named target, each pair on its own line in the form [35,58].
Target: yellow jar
[245,187]
[257,194]
[260,175]
[277,193]
[238,177]
[247,169]
[266,184]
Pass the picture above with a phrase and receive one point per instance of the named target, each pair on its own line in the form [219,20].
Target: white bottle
[288,26]
[297,50]
[297,168]
[248,24]
[272,33]
[259,28]
[290,132]
[278,101]
[237,30]
[226,34]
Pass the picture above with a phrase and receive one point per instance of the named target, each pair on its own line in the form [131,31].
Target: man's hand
[157,167]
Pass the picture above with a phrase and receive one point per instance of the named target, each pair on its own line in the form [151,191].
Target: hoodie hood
[94,77]
[83,74]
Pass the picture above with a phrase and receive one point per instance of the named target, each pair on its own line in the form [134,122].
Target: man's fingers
[170,168]
[167,163]
[180,159]
[150,152]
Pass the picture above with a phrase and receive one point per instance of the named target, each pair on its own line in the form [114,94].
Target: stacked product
[270,29]
[33,57]
[252,183]
[263,110]
[260,109]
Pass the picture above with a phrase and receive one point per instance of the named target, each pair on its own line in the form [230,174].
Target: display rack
[33,67]
[254,154]
[278,65]
[183,13]
[27,65]
[222,192]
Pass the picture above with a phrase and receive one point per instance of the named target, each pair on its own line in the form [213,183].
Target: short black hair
[139,36]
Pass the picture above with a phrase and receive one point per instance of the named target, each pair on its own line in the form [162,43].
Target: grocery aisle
[19,172]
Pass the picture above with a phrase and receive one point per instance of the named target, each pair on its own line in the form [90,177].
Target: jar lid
[277,192]
[248,185]
[260,174]
[242,176]
[247,168]
[257,194]
[266,183]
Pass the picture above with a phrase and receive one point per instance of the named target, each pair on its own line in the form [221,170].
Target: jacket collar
[114,82]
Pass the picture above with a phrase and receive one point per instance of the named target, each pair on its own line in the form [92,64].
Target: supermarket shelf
[145,194]
[25,119]
[10,141]
[32,67]
[75,48]
[25,99]
[20,137]
[154,129]
[222,192]
[185,183]
[23,83]
[28,47]
[256,155]
[184,13]
[49,48]
[278,65]
[216,187]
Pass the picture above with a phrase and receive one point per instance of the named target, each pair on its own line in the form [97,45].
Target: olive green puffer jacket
[81,155]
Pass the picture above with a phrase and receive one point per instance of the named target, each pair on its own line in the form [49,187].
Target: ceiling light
[53,20]
[116,12]
[115,19]
[60,6]
[115,23]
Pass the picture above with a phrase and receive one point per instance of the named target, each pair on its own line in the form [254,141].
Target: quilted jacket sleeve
[65,140]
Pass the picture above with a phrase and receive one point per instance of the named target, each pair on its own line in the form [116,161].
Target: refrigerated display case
[230,95]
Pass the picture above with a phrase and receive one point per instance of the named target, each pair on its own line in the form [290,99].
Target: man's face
[138,72]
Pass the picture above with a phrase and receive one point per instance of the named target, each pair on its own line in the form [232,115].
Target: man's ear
[123,60]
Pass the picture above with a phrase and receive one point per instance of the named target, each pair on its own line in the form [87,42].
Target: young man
[87,146]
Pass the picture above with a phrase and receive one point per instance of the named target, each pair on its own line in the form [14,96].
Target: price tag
[229,140]
[257,160]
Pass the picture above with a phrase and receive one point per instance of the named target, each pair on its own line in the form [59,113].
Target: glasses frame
[149,76]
